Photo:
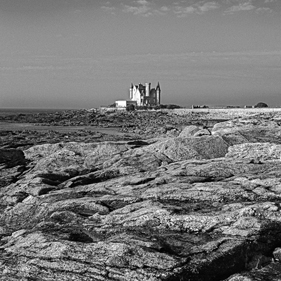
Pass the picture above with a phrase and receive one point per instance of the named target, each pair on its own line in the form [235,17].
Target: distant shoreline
[256,109]
[12,111]
[31,109]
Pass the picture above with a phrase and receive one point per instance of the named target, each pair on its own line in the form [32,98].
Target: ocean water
[9,111]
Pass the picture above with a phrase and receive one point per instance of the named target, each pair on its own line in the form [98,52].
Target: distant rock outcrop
[261,105]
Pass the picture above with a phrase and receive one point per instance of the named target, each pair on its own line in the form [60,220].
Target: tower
[158,94]
[147,89]
[131,91]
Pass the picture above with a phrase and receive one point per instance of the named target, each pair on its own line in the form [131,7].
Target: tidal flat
[141,195]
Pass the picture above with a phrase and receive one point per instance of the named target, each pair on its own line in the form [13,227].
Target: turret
[158,94]
[147,89]
[131,91]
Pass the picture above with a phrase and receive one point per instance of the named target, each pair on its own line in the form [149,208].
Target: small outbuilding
[123,104]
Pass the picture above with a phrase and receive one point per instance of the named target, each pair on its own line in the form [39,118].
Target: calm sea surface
[8,111]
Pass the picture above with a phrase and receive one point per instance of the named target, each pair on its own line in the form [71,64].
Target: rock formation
[188,206]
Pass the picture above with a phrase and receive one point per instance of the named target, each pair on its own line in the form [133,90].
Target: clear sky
[86,53]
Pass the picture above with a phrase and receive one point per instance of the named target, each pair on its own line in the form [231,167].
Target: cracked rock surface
[191,207]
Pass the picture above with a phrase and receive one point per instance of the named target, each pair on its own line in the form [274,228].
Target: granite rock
[175,208]
[251,130]
[262,151]
[189,131]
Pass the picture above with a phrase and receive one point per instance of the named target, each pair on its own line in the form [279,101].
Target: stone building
[144,95]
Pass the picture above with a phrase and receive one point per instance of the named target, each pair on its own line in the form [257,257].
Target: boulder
[203,132]
[189,131]
[241,130]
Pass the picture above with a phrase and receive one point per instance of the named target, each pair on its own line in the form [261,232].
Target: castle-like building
[141,95]
[144,95]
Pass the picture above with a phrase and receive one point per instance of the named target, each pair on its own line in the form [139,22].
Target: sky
[86,53]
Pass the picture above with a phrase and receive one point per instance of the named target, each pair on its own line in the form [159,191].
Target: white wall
[121,103]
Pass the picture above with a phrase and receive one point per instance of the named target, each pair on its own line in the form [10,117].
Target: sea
[8,111]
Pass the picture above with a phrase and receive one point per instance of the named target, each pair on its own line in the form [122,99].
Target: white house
[122,104]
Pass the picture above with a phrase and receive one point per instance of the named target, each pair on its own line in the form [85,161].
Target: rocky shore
[173,198]
[86,125]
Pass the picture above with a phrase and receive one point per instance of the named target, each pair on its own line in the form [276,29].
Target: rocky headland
[184,198]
